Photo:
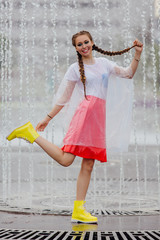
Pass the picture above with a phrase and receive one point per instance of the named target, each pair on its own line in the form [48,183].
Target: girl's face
[84,46]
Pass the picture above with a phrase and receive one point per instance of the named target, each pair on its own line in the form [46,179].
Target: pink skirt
[86,135]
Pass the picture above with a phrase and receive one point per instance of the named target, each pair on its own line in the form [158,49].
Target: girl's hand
[42,125]
[138,46]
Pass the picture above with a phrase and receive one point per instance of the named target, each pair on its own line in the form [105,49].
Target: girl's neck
[89,60]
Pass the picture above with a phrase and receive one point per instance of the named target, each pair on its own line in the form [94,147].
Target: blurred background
[35,52]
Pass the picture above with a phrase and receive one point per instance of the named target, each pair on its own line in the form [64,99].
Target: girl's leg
[80,215]
[63,158]
[84,178]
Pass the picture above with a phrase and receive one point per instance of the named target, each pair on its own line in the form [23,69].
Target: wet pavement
[63,223]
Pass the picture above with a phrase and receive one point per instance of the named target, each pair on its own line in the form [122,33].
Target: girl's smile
[84,46]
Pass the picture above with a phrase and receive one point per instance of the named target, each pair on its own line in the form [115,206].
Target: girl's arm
[43,124]
[56,109]
[58,106]
[136,59]
[129,72]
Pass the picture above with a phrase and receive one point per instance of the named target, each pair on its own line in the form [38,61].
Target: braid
[94,47]
[82,73]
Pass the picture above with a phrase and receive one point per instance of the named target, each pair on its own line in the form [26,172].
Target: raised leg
[63,158]
[28,133]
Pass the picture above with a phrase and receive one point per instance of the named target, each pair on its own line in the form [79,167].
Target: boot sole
[81,221]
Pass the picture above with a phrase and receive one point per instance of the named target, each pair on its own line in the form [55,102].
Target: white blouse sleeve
[113,68]
[67,85]
[64,96]
[122,72]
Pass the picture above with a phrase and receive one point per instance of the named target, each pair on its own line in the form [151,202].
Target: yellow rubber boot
[27,132]
[80,215]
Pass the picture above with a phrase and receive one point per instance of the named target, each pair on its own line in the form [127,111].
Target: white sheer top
[97,76]
[108,81]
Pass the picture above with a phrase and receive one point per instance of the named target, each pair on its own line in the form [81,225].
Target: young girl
[86,132]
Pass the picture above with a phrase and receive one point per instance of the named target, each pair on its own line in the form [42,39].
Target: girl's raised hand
[138,45]
[42,125]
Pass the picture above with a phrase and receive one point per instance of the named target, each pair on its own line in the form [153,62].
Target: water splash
[144,92]
[108,26]
[154,78]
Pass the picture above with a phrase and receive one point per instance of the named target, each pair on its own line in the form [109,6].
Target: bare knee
[66,164]
[67,159]
[87,164]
